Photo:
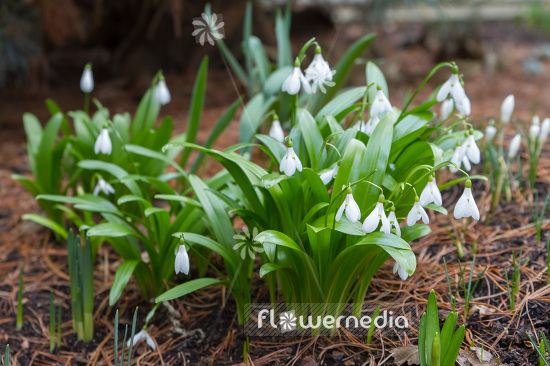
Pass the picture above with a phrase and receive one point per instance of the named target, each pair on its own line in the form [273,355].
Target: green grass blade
[88,291]
[19,321]
[199,90]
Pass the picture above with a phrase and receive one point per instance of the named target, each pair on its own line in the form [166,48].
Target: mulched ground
[209,332]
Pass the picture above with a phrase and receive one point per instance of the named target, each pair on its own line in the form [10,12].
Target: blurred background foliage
[46,40]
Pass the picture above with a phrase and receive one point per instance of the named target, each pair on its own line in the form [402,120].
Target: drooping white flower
[513,148]
[416,213]
[162,94]
[401,271]
[103,186]
[276,131]
[318,66]
[431,193]
[353,213]
[446,109]
[392,219]
[534,130]
[181,265]
[143,335]
[380,104]
[87,79]
[466,205]
[490,132]
[507,108]
[103,143]
[328,175]
[375,217]
[452,87]
[471,149]
[544,130]
[290,162]
[296,81]
[466,163]
[458,157]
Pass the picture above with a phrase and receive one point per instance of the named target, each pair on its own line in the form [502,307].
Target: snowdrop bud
[466,205]
[446,109]
[534,130]
[182,259]
[544,130]
[276,131]
[490,133]
[162,94]
[513,148]
[87,79]
[507,108]
[353,213]
[103,143]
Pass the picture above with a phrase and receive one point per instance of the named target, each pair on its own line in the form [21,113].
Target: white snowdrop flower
[416,213]
[290,162]
[318,66]
[534,130]
[161,93]
[458,157]
[181,265]
[471,149]
[544,130]
[353,213]
[401,271]
[463,106]
[452,87]
[87,79]
[143,335]
[490,132]
[513,148]
[276,131]
[375,217]
[296,81]
[446,109]
[103,143]
[380,105]
[466,205]
[507,108]
[392,219]
[328,175]
[103,186]
[431,193]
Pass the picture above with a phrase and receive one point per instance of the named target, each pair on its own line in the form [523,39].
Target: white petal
[444,90]
[472,150]
[297,161]
[426,196]
[466,163]
[514,146]
[436,194]
[326,176]
[464,107]
[96,190]
[150,342]
[292,83]
[490,132]
[393,222]
[137,337]
[340,211]
[446,109]
[386,228]
[423,213]
[305,84]
[371,222]
[402,273]
[353,213]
